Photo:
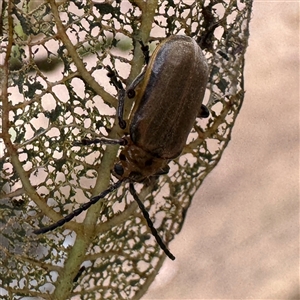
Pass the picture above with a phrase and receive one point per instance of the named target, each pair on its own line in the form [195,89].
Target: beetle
[167,96]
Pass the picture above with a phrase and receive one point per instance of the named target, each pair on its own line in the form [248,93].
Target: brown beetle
[168,97]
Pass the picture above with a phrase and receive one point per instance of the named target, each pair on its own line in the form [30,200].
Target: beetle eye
[131,93]
[122,156]
[119,170]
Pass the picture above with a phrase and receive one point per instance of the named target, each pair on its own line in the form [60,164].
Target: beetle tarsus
[121,95]
[81,270]
[145,50]
[114,78]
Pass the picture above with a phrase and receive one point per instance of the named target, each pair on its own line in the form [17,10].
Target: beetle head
[136,164]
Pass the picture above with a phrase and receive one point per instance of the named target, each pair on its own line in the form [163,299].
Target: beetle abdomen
[171,96]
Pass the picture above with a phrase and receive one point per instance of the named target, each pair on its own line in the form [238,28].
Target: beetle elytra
[168,97]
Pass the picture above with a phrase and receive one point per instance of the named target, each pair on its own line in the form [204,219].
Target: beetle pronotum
[168,97]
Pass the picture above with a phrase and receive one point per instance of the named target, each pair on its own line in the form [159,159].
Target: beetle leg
[131,88]
[113,78]
[145,50]
[204,112]
[103,140]
[149,222]
[121,95]
[79,210]
[120,109]
[81,270]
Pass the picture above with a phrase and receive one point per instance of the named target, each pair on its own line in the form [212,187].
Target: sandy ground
[241,235]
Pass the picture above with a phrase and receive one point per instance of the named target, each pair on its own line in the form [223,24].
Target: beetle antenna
[79,210]
[149,222]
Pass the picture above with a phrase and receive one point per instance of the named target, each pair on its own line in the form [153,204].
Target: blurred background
[241,235]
